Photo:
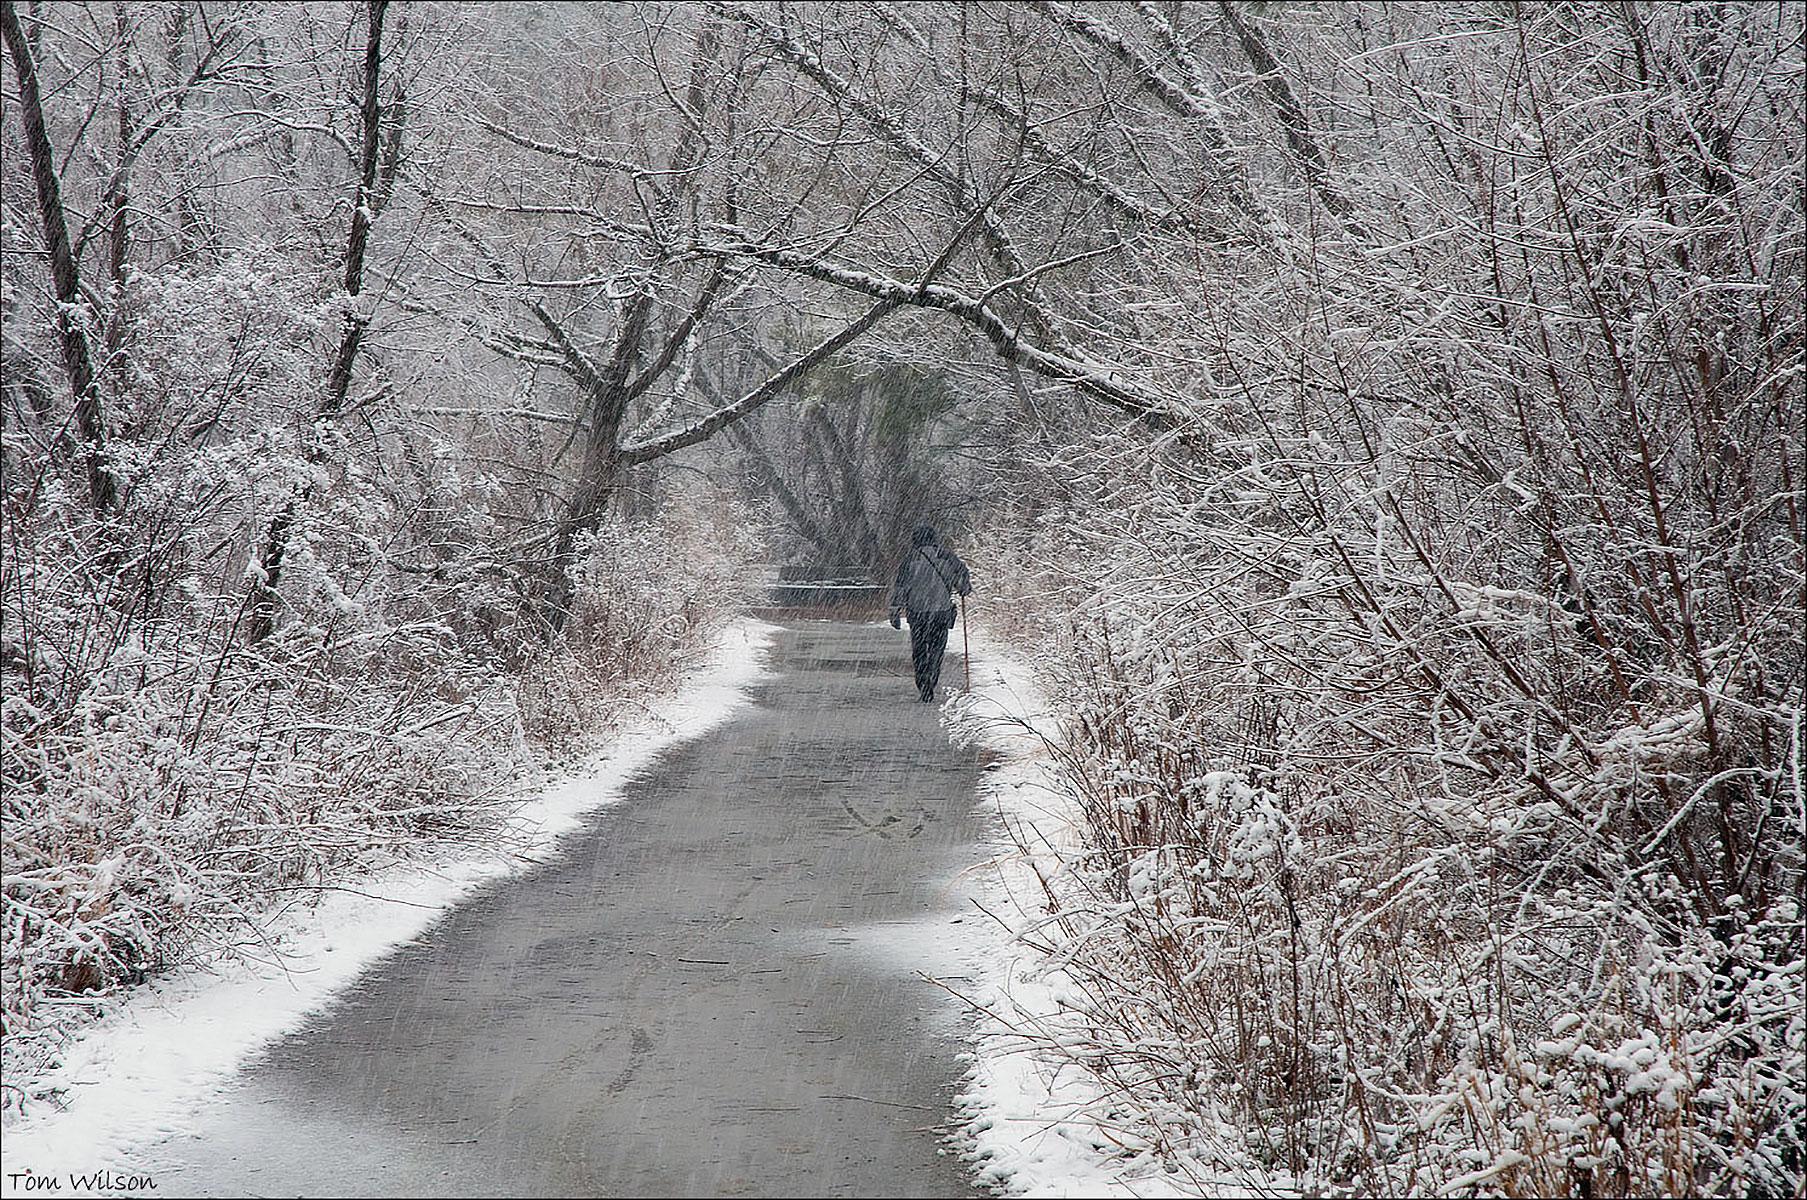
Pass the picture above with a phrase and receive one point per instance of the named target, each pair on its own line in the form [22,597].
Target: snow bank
[134,1076]
[1035,1122]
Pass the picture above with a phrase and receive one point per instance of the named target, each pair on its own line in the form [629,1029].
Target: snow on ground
[1035,1122]
[133,1076]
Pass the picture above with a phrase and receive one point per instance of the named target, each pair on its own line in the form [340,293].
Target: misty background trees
[1384,422]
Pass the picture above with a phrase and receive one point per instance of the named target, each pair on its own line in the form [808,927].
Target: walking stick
[966,646]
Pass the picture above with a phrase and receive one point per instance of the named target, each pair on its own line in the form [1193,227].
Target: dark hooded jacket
[928,575]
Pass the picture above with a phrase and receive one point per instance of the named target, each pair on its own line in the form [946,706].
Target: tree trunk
[263,599]
[118,202]
[78,361]
[855,510]
[1292,116]
[595,487]
[338,384]
[608,399]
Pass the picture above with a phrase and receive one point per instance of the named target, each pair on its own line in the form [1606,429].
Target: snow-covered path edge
[136,1074]
[1034,1123]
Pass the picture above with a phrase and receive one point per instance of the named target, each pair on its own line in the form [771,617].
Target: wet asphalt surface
[711,992]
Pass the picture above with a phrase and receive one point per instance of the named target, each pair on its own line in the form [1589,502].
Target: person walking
[927,579]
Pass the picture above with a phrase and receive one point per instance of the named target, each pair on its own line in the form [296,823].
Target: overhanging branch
[728,414]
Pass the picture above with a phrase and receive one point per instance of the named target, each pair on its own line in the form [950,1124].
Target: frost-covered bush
[1325,938]
[645,591]
[1390,884]
[1434,668]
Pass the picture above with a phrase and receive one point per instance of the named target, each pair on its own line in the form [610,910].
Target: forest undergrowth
[1406,870]
[1328,926]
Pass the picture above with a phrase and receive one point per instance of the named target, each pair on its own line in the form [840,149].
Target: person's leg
[941,623]
[919,649]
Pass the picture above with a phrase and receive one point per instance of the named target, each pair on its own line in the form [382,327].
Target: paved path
[710,993]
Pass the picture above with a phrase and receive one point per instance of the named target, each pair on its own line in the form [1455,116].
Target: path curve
[712,991]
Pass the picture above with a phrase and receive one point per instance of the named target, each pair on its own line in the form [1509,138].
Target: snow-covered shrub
[1358,897]
[1434,673]
[647,591]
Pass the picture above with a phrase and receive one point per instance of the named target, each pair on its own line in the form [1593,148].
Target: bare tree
[74,316]
[367,202]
